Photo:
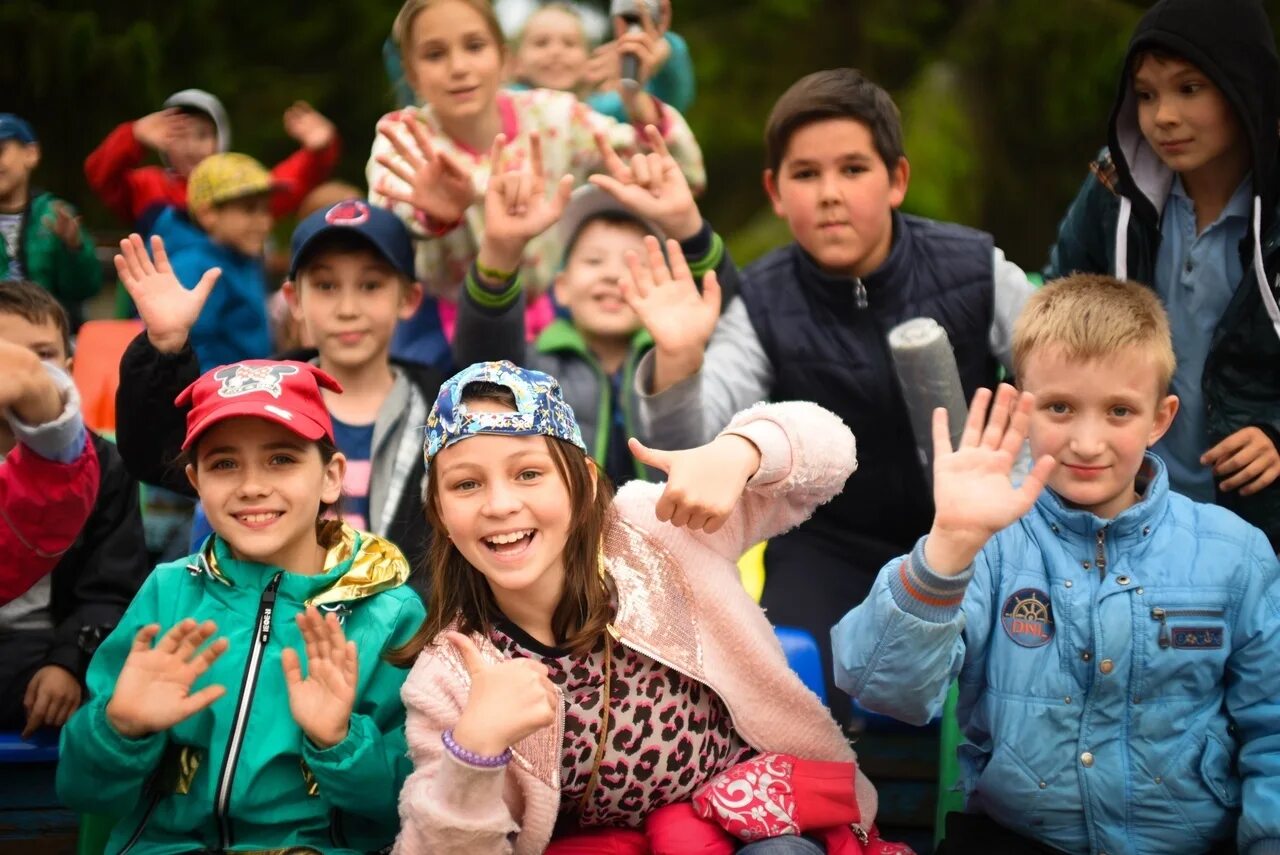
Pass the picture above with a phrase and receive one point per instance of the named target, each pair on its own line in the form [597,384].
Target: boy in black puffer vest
[811,325]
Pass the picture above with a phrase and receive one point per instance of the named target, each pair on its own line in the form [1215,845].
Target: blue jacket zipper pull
[1163,638]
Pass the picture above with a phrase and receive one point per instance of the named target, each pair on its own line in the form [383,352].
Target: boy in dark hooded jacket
[1185,199]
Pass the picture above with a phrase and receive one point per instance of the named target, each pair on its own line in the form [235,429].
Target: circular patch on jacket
[1027,617]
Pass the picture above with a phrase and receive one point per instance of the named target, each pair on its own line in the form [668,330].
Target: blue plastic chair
[42,748]
[803,657]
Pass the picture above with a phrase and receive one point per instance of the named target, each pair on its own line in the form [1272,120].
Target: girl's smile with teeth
[509,537]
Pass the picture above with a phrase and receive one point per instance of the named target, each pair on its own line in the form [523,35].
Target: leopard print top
[668,734]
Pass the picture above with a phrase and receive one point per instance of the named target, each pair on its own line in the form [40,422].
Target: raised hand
[26,389]
[438,185]
[308,126]
[516,205]
[65,225]
[168,309]
[646,44]
[652,185]
[321,703]
[157,130]
[703,483]
[153,690]
[972,493]
[509,700]
[679,318]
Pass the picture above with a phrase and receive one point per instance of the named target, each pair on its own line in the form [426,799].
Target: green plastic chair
[950,793]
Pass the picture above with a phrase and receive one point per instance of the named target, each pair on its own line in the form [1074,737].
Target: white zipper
[266,606]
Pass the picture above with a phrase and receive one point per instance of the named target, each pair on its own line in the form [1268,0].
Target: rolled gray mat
[926,369]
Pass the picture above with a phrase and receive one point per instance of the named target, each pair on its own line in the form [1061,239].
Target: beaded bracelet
[470,757]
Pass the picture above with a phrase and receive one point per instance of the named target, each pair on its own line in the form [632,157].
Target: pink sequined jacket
[679,601]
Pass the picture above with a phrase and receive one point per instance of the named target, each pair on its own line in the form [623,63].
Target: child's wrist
[498,261]
[123,726]
[948,553]
[326,740]
[684,225]
[172,342]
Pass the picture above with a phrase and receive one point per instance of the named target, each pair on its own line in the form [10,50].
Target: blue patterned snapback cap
[540,408]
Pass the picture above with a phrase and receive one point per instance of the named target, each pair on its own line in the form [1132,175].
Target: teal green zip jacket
[71,275]
[240,775]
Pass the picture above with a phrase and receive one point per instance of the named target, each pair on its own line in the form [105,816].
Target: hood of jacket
[1231,41]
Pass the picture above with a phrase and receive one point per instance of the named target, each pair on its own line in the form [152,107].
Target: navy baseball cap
[382,229]
[16,128]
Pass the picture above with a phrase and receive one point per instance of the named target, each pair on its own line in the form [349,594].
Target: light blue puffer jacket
[1119,679]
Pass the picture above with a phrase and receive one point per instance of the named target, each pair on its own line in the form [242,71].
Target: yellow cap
[222,177]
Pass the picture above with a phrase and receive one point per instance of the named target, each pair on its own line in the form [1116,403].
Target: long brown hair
[460,593]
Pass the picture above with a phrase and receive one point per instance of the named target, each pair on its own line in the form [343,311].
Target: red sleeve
[43,507]
[108,167]
[299,174]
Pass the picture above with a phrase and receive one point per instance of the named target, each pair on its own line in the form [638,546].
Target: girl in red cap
[217,735]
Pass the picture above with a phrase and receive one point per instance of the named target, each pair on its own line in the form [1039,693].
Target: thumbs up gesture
[704,483]
[509,700]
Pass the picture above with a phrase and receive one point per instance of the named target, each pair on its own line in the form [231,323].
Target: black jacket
[1231,41]
[150,430]
[98,576]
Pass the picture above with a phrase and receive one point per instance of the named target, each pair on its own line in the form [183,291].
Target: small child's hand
[704,483]
[321,703]
[652,185]
[972,493]
[168,309]
[25,386]
[439,186]
[516,205]
[646,44]
[308,126]
[1248,457]
[52,696]
[157,130]
[508,701]
[680,319]
[153,690]
[65,225]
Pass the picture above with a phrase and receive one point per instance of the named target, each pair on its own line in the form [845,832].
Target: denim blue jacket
[1119,679]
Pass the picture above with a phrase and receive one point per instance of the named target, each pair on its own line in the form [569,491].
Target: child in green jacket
[41,238]
[235,743]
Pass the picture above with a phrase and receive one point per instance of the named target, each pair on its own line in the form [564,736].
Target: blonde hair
[555,6]
[1094,317]
[402,28]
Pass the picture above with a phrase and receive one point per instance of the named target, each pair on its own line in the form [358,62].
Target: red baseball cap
[285,392]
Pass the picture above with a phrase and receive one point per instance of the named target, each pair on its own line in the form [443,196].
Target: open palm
[437,184]
[679,318]
[321,703]
[972,493]
[167,308]
[153,691]
[516,205]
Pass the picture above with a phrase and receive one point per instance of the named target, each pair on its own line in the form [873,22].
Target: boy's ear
[1166,409]
[557,288]
[899,177]
[410,300]
[31,155]
[770,180]
[292,298]
[205,216]
[334,471]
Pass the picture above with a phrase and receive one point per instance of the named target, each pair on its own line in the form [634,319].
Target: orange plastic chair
[96,370]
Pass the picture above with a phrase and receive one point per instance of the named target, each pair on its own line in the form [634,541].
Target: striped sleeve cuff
[919,591]
[489,298]
[704,251]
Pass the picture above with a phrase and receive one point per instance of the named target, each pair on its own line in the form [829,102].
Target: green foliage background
[1004,101]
